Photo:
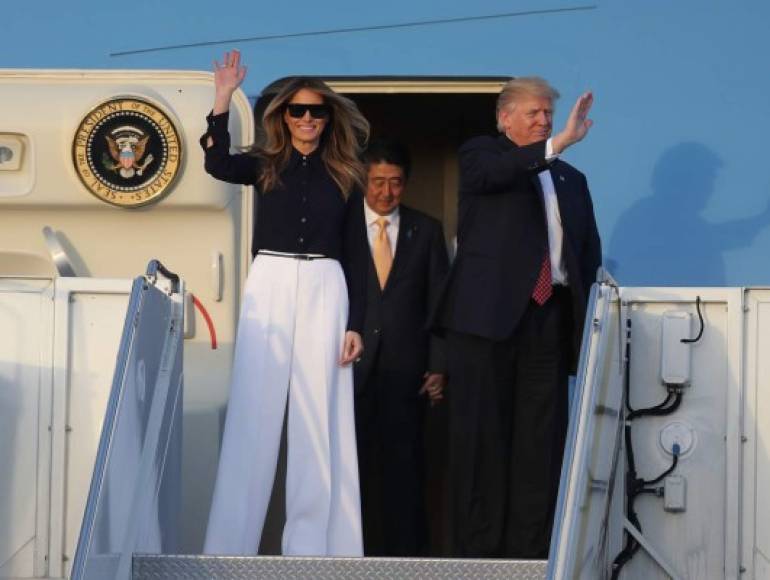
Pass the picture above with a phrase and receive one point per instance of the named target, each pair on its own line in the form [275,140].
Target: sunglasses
[297,110]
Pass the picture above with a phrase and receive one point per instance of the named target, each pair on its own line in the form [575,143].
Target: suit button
[303,220]
[376,331]
[301,240]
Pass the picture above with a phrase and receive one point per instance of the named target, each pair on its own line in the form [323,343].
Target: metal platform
[155,567]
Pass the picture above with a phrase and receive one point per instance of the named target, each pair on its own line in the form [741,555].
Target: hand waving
[578,122]
[228,76]
[577,125]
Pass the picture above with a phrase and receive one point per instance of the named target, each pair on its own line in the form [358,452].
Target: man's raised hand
[577,125]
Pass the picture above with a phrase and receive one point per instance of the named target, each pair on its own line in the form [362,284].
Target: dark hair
[388,151]
[260,105]
[345,135]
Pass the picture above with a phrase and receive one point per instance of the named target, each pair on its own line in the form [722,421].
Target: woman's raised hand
[228,76]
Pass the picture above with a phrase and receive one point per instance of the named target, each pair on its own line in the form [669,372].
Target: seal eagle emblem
[127,147]
[127,152]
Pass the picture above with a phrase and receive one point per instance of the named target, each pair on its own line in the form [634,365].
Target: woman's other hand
[228,76]
[352,347]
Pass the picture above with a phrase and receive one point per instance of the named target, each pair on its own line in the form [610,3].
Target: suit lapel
[562,193]
[406,232]
[535,179]
[364,240]
[558,181]
[542,227]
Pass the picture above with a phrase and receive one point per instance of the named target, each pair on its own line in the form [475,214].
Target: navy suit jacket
[502,237]
[395,331]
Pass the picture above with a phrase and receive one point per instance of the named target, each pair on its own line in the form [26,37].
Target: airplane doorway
[432,118]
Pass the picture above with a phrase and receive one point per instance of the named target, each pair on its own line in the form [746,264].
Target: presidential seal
[127,152]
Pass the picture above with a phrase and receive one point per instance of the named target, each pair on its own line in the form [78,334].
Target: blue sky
[665,74]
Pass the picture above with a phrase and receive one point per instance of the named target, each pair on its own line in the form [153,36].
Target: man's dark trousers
[515,392]
[389,427]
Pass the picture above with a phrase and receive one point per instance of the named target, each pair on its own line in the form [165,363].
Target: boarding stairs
[129,527]
[138,461]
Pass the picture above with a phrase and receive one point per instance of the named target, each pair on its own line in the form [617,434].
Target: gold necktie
[381,252]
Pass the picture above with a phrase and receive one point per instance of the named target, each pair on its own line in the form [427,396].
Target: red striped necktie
[543,289]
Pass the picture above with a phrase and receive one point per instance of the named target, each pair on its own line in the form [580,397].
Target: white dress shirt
[553,220]
[372,229]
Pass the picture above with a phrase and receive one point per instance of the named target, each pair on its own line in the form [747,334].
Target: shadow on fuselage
[664,240]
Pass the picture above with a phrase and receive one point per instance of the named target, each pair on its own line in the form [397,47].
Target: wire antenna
[330,31]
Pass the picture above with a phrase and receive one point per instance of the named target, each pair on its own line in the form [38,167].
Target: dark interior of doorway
[432,126]
[446,118]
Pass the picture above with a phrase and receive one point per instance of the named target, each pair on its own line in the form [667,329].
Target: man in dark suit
[512,310]
[401,364]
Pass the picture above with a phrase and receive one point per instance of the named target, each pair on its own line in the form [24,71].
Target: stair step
[192,567]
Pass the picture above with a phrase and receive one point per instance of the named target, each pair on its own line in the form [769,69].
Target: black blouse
[305,214]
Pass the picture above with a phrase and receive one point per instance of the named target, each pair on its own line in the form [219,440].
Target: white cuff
[549,154]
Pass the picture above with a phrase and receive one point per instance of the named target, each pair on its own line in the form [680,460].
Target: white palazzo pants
[289,339]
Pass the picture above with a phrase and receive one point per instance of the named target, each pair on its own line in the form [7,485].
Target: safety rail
[133,501]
